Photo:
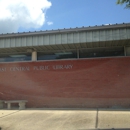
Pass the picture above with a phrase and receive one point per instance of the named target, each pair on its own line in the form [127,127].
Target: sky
[35,15]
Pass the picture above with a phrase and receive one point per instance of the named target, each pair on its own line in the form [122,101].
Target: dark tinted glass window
[14,57]
[102,52]
[56,55]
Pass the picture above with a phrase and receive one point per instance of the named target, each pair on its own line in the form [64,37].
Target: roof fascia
[70,30]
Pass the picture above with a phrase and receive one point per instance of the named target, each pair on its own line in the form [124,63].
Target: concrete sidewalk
[41,119]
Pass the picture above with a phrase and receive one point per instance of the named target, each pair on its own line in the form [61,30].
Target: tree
[127,2]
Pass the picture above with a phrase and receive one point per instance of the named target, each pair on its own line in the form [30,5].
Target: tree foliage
[127,2]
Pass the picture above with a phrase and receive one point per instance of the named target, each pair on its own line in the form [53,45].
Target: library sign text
[37,68]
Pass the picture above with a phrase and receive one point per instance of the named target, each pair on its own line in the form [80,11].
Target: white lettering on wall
[2,69]
[41,68]
[38,68]
[19,69]
[56,67]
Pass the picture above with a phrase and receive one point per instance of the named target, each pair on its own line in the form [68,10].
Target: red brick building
[81,67]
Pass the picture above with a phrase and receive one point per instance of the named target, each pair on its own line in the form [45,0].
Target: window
[101,52]
[14,57]
[57,55]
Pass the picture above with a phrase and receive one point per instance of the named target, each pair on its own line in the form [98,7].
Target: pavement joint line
[96,125]
[10,114]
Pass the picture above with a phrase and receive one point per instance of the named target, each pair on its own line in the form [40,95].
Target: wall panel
[29,41]
[68,83]
[7,42]
[12,40]
[2,41]
[75,37]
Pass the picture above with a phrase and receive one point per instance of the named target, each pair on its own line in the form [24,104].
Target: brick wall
[101,82]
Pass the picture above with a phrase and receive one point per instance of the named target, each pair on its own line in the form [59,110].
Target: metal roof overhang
[117,35]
